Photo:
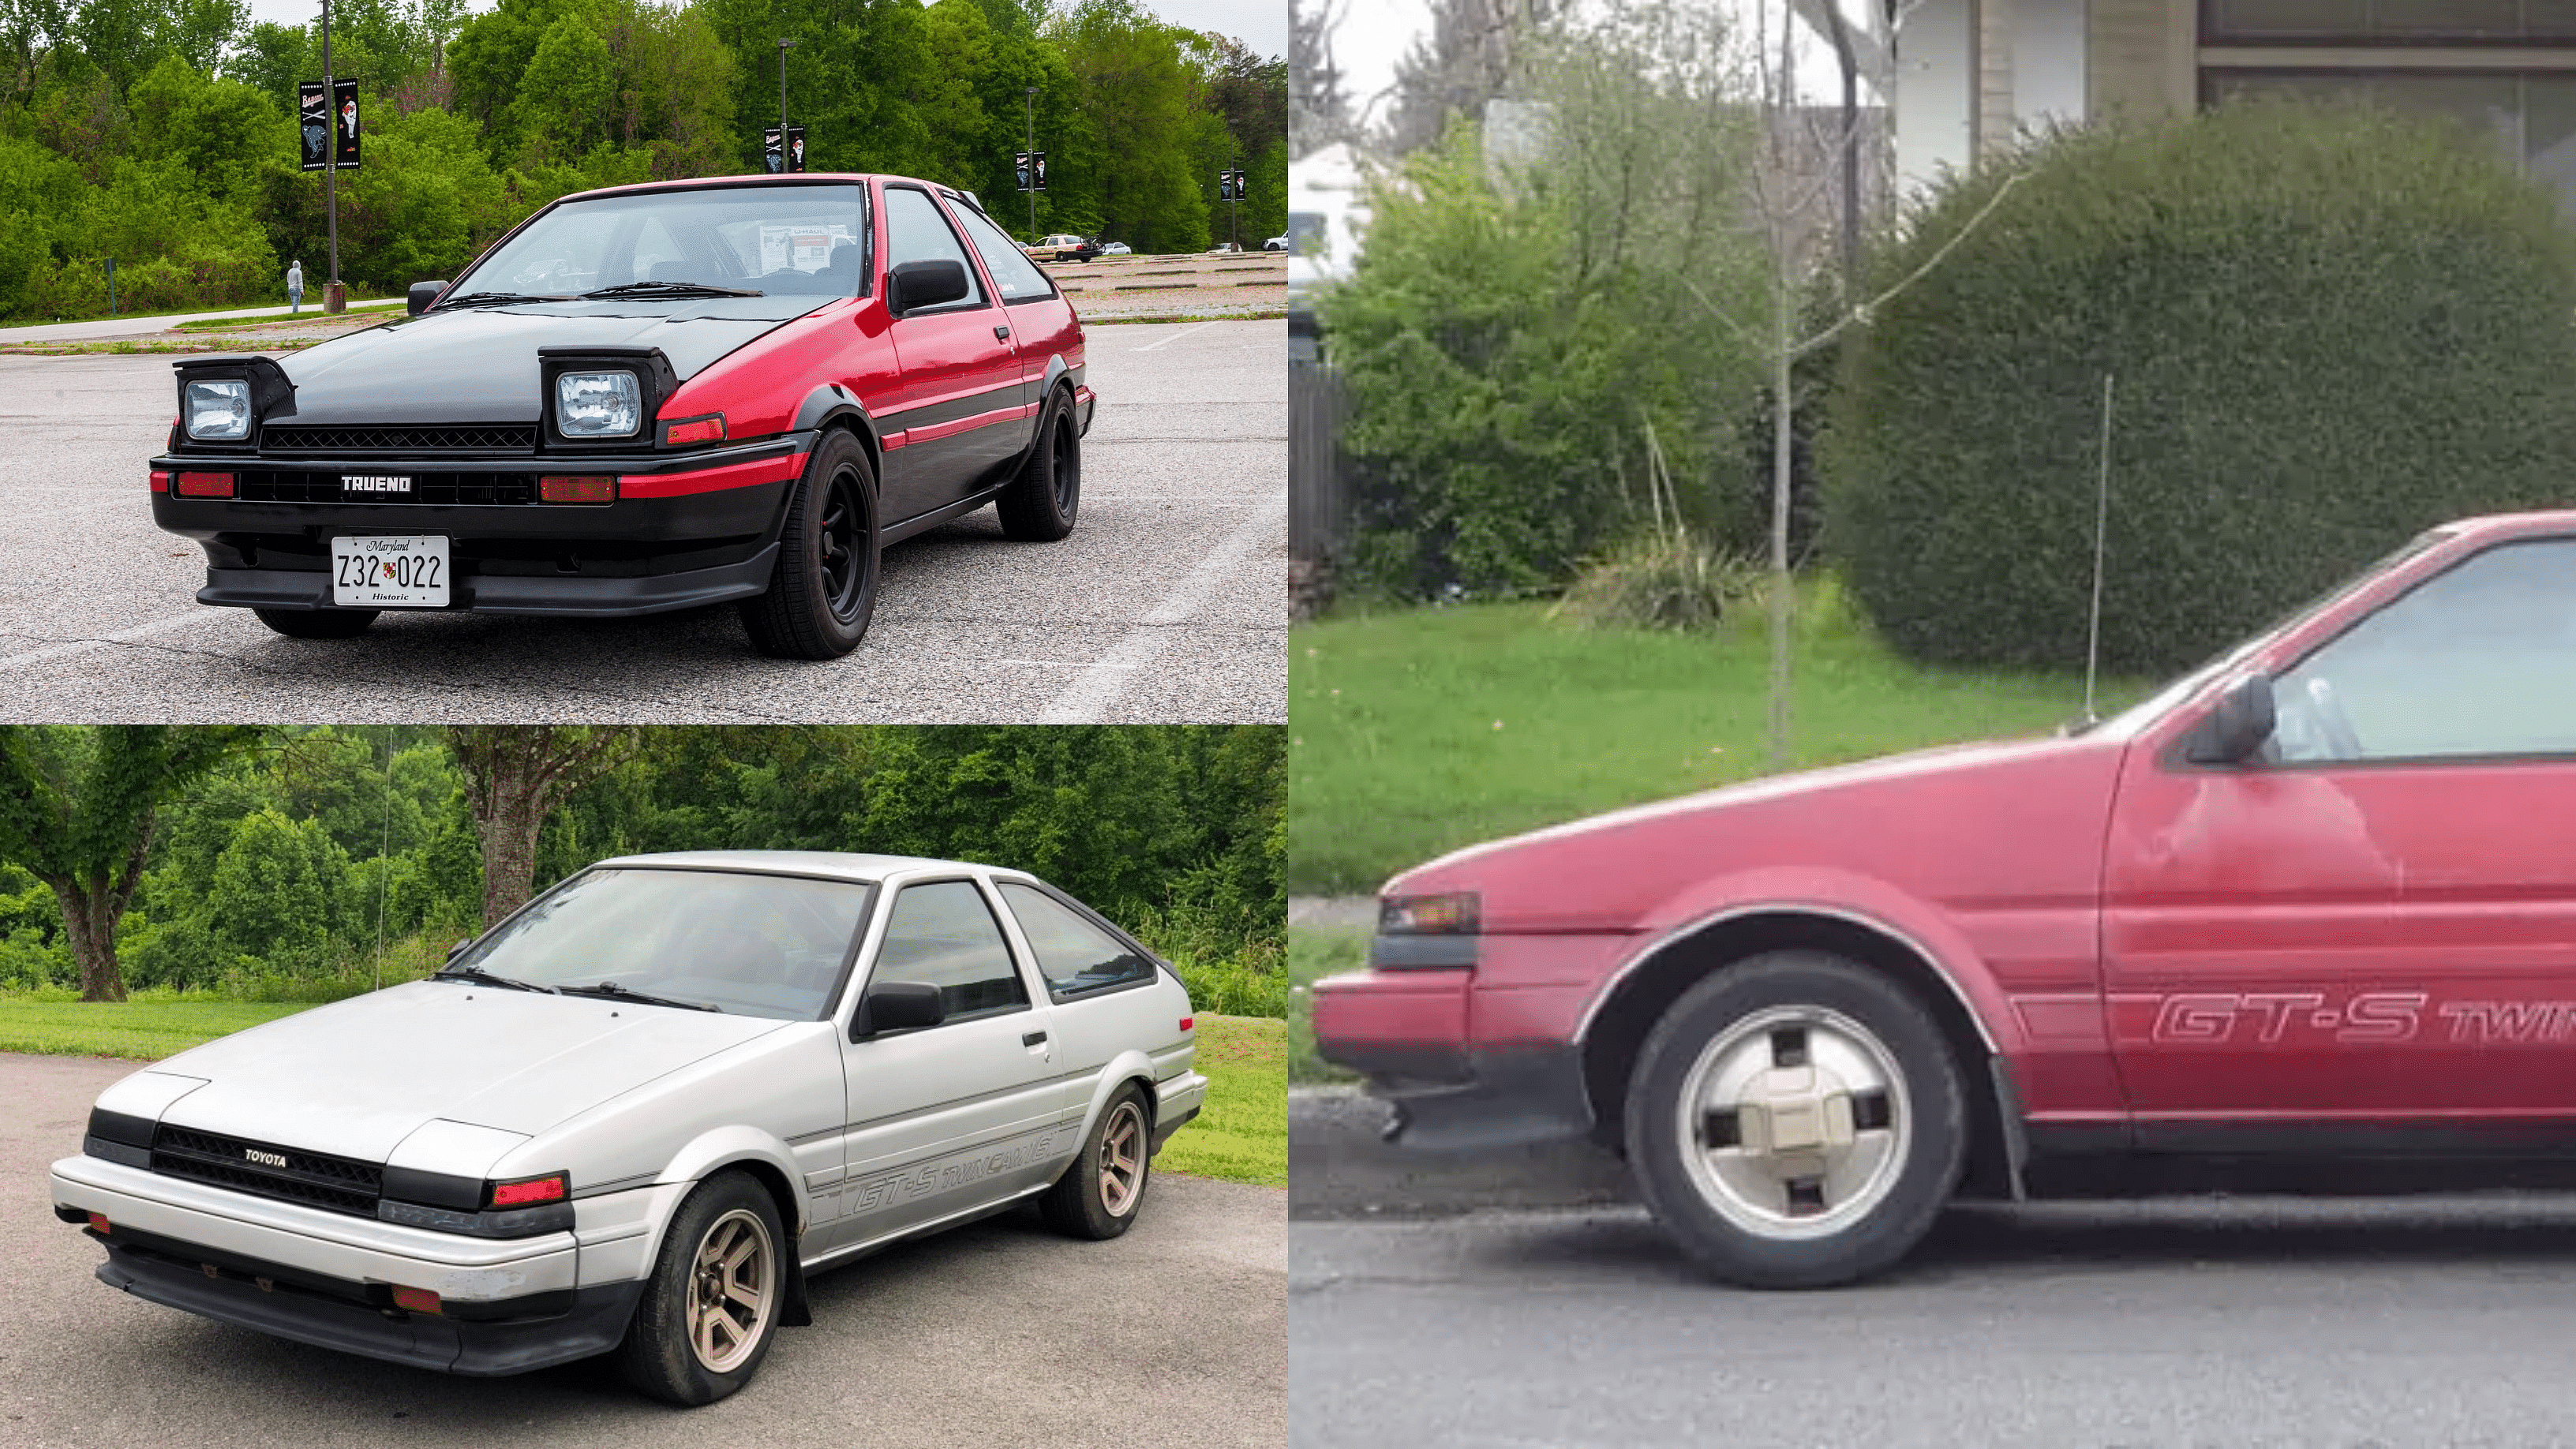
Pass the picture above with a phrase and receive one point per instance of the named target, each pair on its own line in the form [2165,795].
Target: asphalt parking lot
[1166,604]
[2204,1322]
[999,1333]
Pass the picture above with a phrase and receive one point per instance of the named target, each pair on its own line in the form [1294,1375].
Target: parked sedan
[1116,249]
[2305,918]
[636,1114]
[1062,247]
[643,399]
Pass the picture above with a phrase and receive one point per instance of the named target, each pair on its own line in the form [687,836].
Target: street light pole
[330,154]
[783,43]
[1030,108]
[1233,196]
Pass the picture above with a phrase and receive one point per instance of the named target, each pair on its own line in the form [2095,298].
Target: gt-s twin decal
[2363,1018]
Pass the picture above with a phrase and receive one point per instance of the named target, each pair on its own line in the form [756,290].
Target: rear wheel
[711,1307]
[1099,1195]
[1796,1121]
[318,623]
[1040,504]
[825,588]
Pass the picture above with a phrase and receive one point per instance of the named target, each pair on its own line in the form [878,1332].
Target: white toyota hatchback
[631,1117]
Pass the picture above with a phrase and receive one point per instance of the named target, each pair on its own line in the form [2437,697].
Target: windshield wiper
[611,988]
[482,977]
[495,299]
[668,289]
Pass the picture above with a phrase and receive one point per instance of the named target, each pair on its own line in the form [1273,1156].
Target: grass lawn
[1414,732]
[1315,951]
[1242,1135]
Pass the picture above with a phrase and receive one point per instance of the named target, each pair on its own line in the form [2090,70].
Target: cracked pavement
[1166,604]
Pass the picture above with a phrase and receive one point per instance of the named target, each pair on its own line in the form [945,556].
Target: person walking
[294,287]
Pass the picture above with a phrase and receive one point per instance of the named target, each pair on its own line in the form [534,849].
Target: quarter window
[1074,955]
[916,232]
[1014,275]
[2478,660]
[944,934]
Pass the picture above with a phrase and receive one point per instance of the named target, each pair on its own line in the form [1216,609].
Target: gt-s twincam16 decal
[954,1171]
[2362,1018]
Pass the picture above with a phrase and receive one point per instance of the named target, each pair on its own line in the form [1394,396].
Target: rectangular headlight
[218,410]
[598,405]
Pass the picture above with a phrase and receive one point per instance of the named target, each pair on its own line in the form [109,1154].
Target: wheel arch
[1615,1029]
[747,1149]
[1128,1067]
[831,405]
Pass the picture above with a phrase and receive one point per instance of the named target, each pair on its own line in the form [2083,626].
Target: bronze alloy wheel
[1122,1158]
[732,1285]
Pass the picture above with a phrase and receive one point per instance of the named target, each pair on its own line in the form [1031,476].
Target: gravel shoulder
[997,1333]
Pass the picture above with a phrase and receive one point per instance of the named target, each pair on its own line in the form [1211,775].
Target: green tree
[282,894]
[78,805]
[514,775]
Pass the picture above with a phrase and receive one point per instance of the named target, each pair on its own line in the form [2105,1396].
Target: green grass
[1242,1135]
[1316,951]
[211,324]
[1415,732]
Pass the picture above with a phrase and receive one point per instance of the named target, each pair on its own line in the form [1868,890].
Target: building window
[2530,115]
[2387,22]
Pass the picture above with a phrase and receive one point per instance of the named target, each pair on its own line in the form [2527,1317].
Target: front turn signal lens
[418,1300]
[577,490]
[527,1191]
[695,430]
[203,485]
[1454,913]
[98,1222]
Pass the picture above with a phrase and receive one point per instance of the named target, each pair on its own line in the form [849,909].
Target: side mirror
[2242,721]
[458,949]
[424,293]
[925,283]
[897,1006]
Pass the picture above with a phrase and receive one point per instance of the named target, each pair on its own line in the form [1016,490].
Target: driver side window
[943,934]
[2477,661]
[915,231]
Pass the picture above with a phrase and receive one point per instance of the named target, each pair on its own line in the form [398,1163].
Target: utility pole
[331,165]
[1030,108]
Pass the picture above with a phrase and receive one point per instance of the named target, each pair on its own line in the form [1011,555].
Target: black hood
[479,364]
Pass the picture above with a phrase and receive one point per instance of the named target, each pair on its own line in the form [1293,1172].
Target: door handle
[1032,1038]
[1000,333]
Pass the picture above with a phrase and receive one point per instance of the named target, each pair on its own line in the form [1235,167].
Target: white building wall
[1935,96]
[2048,63]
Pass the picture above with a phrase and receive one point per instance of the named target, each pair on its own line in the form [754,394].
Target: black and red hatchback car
[642,399]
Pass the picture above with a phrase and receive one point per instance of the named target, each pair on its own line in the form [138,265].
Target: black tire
[657,1356]
[1040,503]
[825,588]
[1785,996]
[317,623]
[1077,1205]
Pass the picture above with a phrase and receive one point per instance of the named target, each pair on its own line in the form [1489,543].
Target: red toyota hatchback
[643,399]
[2305,920]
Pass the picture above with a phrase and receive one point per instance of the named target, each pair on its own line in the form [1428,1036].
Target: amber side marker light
[551,1188]
[203,485]
[696,430]
[98,1222]
[577,490]
[418,1300]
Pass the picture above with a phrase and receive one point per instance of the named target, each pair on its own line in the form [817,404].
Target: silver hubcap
[1793,1122]
[1122,1159]
[731,1286]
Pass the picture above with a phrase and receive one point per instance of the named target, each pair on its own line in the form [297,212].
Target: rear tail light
[554,1187]
[1187,1022]
[98,1222]
[203,485]
[418,1300]
[577,490]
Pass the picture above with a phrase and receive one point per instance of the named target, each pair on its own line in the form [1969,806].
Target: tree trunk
[91,911]
[509,812]
[1782,360]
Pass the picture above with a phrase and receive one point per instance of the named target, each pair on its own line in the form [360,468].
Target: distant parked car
[1115,249]
[1062,247]
[1221,248]
[1276,244]
[606,1127]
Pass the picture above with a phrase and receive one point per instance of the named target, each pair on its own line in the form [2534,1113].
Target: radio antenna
[2101,533]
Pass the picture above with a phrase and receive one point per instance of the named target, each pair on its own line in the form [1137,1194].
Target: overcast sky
[1261,24]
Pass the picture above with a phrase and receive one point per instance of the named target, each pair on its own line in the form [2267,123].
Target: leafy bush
[2329,327]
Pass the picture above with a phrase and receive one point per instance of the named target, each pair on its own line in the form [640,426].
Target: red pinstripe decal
[708,480]
[930,431]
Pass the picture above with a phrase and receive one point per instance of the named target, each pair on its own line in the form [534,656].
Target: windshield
[757,945]
[803,240]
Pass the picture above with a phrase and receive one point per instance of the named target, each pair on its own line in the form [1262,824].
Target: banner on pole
[328,126]
[796,148]
[1031,166]
[1229,186]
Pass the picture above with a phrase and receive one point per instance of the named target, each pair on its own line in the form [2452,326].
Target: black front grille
[285,486]
[470,437]
[310,1178]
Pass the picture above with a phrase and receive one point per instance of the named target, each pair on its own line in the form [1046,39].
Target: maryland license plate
[397,572]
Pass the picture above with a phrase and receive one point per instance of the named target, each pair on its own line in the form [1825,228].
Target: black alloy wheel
[1041,503]
[824,589]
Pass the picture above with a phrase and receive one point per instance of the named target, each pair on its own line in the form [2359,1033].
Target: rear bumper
[1176,1101]
[1084,401]
[1407,1033]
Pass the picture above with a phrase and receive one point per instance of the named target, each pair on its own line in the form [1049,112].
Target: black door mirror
[897,1006]
[458,950]
[2239,725]
[424,293]
[925,283]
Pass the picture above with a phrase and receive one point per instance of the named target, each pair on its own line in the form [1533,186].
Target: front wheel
[1796,1121]
[711,1307]
[317,623]
[825,588]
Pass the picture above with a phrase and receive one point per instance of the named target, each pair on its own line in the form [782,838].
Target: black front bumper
[538,1333]
[638,555]
[1478,1100]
